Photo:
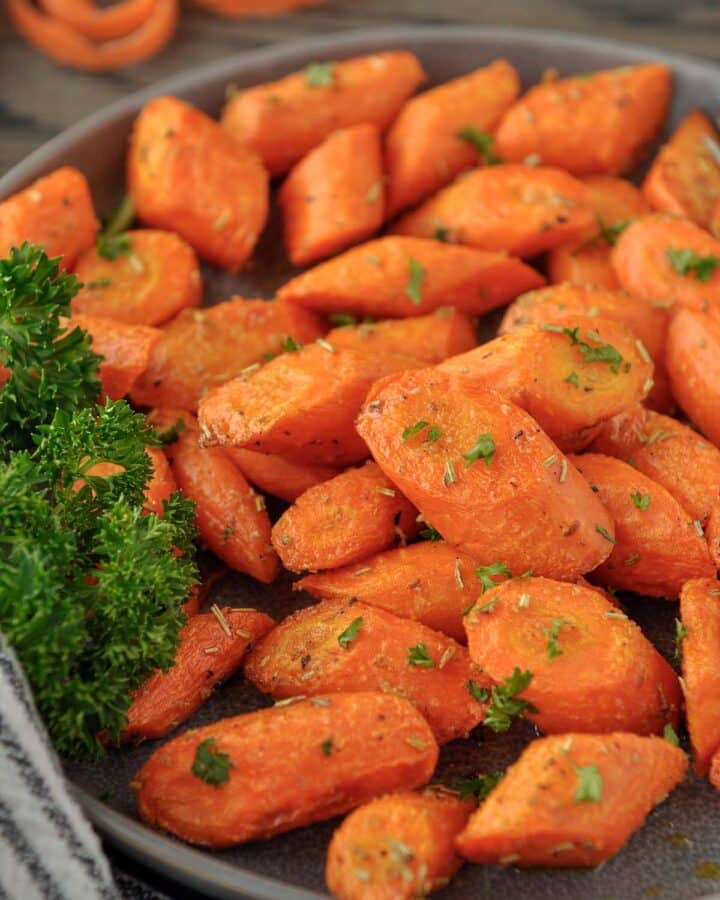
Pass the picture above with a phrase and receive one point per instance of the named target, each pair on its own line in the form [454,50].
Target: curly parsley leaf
[687,262]
[504,702]
[350,633]
[210,765]
[483,448]
[478,787]
[590,784]
[486,574]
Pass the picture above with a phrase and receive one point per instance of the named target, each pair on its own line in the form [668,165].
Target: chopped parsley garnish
[434,434]
[350,633]
[482,142]
[416,276]
[320,74]
[419,656]
[290,345]
[670,735]
[687,262]
[430,534]
[610,233]
[211,766]
[486,574]
[171,434]
[99,284]
[412,430]
[478,693]
[590,784]
[442,234]
[681,633]
[341,319]
[114,246]
[483,448]
[603,532]
[600,353]
[553,651]
[504,702]
[640,500]
[573,378]
[327,747]
[478,787]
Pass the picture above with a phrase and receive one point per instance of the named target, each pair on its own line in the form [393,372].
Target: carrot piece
[430,142]
[200,349]
[430,582]
[302,404]
[240,9]
[70,47]
[597,124]
[231,517]
[400,846]
[154,280]
[684,178]
[693,361]
[572,800]
[569,378]
[592,668]
[700,615]
[100,24]
[662,258]
[187,174]
[283,120]
[334,197]
[394,277]
[339,646]
[431,338]
[279,475]
[55,212]
[338,752]
[341,521]
[162,484]
[125,350]
[513,208]
[657,547]
[492,483]
[668,452]
[615,203]
[212,646]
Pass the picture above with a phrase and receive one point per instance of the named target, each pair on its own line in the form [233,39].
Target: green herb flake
[99,284]
[419,656]
[210,765]
[483,448]
[573,378]
[486,574]
[670,735]
[434,434]
[327,747]
[342,319]
[603,532]
[227,533]
[290,345]
[590,784]
[478,693]
[416,276]
[430,534]
[504,702]
[482,142]
[442,234]
[320,74]
[412,430]
[478,787]
[687,262]
[640,500]
[553,650]
[350,633]
[681,633]
[610,233]
[602,353]
[114,246]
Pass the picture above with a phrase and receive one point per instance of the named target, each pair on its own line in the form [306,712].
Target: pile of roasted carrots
[446,501]
[81,34]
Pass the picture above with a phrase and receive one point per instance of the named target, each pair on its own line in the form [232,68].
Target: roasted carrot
[302,403]
[400,846]
[187,174]
[572,800]
[693,361]
[55,212]
[335,196]
[162,484]
[125,351]
[684,178]
[668,452]
[70,47]
[337,752]
[699,646]
[568,377]
[430,582]
[200,349]
[444,131]
[592,668]
[100,24]
[616,203]
[431,338]
[343,520]
[339,646]
[513,208]
[212,646]
[280,476]
[231,517]
[153,277]
[665,259]
[394,277]
[491,481]
[656,547]
[597,124]
[283,120]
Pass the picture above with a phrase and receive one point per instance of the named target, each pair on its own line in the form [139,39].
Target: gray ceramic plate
[665,858]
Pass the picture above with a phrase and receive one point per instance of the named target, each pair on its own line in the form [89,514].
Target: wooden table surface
[38,99]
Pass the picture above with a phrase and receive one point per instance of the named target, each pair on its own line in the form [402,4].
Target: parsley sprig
[478,787]
[504,701]
[210,765]
[687,262]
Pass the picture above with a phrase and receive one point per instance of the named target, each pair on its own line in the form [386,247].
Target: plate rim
[182,863]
